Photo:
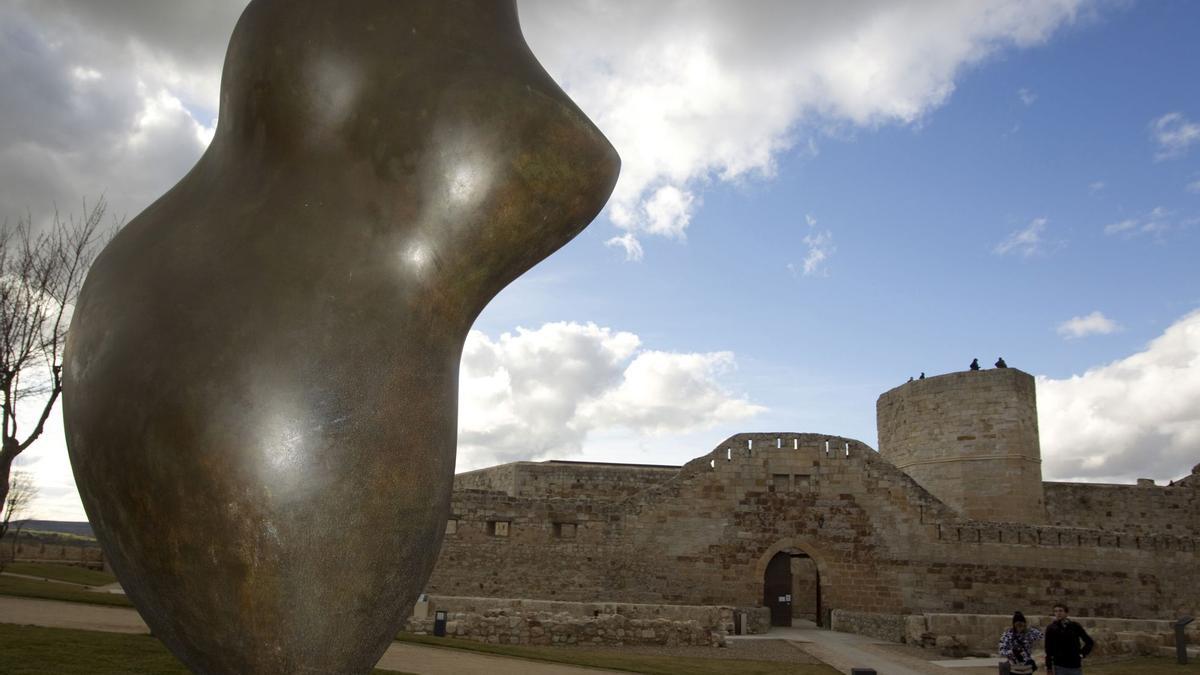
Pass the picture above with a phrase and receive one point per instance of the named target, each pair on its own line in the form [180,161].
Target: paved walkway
[400,656]
[843,651]
[55,614]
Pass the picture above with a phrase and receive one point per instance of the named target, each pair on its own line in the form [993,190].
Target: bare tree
[40,278]
[21,493]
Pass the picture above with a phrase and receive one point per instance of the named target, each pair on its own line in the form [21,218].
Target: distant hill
[81,529]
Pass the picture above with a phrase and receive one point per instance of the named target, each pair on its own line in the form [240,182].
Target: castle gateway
[950,516]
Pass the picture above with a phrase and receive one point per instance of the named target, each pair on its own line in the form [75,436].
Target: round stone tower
[971,439]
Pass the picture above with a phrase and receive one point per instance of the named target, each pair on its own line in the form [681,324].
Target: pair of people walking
[1067,643]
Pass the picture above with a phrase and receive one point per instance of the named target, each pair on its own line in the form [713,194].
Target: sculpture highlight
[261,377]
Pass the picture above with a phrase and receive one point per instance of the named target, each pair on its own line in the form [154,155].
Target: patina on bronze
[262,371]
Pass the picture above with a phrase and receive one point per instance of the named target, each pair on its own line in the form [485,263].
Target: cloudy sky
[818,200]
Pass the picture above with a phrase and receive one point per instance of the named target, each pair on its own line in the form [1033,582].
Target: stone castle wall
[971,439]
[1134,509]
[566,479]
[880,542]
[502,478]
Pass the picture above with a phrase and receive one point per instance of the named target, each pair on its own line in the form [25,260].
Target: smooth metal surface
[262,371]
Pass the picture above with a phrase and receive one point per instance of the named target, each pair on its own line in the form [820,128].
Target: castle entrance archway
[777,589]
[791,583]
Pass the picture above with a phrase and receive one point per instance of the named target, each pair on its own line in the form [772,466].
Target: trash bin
[1181,639]
[439,623]
[738,623]
[862,671]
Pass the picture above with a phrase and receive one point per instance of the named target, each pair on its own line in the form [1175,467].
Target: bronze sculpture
[262,370]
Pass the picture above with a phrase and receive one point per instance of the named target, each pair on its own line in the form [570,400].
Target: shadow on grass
[69,573]
[29,650]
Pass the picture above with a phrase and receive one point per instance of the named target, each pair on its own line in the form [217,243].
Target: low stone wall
[718,619]
[34,551]
[544,628]
[978,633]
[891,627]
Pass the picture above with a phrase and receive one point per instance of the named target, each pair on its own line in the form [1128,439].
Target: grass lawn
[28,650]
[50,590]
[634,663]
[75,575]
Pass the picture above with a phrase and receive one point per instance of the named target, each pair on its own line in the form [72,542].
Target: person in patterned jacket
[1016,645]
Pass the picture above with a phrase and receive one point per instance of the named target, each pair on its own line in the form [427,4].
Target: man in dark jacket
[1064,655]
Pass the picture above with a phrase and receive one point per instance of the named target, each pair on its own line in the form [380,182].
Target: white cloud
[1136,417]
[1194,187]
[1157,222]
[93,106]
[1174,134]
[1092,324]
[628,243]
[668,211]
[664,392]
[820,248]
[1027,97]
[1027,242]
[1096,186]
[539,393]
[691,92]
[50,467]
[1121,226]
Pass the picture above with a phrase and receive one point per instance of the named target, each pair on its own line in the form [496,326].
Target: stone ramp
[844,651]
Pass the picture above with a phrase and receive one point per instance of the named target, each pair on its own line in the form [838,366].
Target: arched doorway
[791,585]
[777,589]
